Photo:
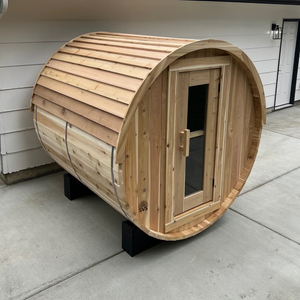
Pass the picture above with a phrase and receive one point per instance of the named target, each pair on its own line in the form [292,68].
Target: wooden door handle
[185,147]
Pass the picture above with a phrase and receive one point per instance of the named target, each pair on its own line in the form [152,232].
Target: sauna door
[193,132]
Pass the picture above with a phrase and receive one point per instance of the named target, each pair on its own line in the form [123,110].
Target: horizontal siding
[15,99]
[22,54]
[19,141]
[13,162]
[13,121]
[19,77]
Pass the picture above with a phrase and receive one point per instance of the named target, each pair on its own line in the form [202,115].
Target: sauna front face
[164,130]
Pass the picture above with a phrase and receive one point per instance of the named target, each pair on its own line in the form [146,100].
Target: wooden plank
[133,40]
[121,81]
[210,135]
[123,44]
[98,116]
[119,50]
[101,89]
[155,136]
[83,141]
[144,203]
[94,147]
[221,134]
[191,215]
[199,78]
[88,126]
[130,164]
[113,107]
[170,147]
[193,200]
[132,71]
[185,65]
[124,59]
[181,98]
[164,103]
[144,37]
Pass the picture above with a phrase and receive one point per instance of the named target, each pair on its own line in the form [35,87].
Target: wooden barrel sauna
[164,130]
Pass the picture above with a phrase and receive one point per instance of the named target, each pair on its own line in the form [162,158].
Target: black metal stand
[134,240]
[74,188]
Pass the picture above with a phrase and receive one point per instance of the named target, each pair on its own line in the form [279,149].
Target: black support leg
[74,188]
[134,240]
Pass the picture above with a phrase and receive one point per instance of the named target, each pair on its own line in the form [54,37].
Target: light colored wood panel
[130,165]
[92,86]
[199,78]
[123,44]
[193,200]
[171,126]
[136,40]
[144,201]
[164,103]
[118,50]
[221,133]
[105,104]
[181,98]
[79,155]
[124,59]
[91,145]
[117,80]
[91,127]
[155,136]
[56,124]
[86,111]
[156,39]
[210,135]
[199,63]
[132,71]
[191,215]
[230,131]
[51,135]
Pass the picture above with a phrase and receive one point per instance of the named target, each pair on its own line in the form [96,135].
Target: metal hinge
[219,88]
[213,182]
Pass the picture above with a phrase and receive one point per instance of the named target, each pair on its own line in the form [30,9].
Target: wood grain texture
[105,89]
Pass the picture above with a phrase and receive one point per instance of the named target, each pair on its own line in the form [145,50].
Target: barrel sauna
[164,130]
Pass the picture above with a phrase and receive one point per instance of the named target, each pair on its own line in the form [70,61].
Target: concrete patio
[52,248]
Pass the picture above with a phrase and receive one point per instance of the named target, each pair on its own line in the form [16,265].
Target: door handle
[185,147]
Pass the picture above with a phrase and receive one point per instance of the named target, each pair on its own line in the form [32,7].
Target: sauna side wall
[85,157]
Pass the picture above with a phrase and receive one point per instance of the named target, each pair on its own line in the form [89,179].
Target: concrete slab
[275,205]
[286,121]
[45,238]
[277,155]
[2,184]
[234,259]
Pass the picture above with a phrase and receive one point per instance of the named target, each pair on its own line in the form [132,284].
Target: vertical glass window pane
[196,123]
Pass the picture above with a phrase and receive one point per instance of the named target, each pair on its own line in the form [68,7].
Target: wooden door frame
[186,65]
[295,65]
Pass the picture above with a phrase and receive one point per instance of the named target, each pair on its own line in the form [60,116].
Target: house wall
[26,45]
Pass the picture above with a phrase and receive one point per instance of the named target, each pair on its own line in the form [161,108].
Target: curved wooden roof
[96,81]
